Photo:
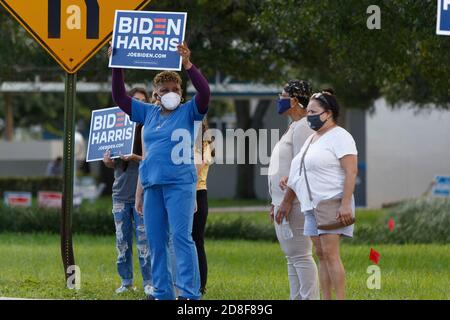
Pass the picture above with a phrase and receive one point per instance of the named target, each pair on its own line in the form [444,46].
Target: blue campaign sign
[111,129]
[147,40]
[442,186]
[443,17]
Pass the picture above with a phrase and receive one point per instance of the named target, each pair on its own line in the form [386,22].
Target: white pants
[302,269]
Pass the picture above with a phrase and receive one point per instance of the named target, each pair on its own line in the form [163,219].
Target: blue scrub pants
[167,208]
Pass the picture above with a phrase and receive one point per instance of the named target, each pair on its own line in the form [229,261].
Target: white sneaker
[148,290]
[123,289]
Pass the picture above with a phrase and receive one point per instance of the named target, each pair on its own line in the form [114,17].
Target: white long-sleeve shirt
[284,151]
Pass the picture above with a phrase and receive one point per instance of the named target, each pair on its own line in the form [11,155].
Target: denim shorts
[311,230]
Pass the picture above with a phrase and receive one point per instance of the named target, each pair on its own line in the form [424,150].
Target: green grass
[30,266]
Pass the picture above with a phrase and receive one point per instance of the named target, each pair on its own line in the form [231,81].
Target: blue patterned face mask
[284,104]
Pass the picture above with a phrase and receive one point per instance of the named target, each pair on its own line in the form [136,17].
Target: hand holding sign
[132,157]
[110,49]
[107,159]
[185,54]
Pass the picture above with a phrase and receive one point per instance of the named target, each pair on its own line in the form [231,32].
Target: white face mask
[171,100]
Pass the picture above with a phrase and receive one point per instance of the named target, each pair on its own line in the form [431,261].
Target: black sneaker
[182,298]
[151,297]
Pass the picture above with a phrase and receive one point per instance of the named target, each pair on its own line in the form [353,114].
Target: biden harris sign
[147,40]
[441,186]
[111,129]
[443,18]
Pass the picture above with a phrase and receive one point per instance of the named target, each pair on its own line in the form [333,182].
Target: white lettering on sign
[97,123]
[142,26]
[158,44]
[145,26]
[109,128]
[130,27]
[74,20]
[105,122]
[122,42]
[171,27]
[125,25]
[146,43]
[111,136]
[136,25]
[134,43]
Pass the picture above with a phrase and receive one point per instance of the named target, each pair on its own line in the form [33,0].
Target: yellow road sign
[71,31]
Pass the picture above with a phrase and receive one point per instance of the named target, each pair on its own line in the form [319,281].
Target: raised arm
[119,92]
[198,80]
[201,85]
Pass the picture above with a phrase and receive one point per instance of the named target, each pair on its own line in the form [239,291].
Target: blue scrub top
[169,142]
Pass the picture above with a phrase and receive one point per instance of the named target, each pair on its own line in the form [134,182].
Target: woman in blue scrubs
[168,173]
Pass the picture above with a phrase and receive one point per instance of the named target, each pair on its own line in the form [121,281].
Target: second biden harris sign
[111,129]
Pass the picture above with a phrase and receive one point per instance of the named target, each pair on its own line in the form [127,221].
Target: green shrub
[420,221]
[28,220]
[84,220]
[239,228]
[91,219]
[30,184]
[416,221]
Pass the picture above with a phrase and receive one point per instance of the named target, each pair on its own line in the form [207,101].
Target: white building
[405,150]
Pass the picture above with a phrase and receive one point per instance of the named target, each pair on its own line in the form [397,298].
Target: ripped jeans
[127,221]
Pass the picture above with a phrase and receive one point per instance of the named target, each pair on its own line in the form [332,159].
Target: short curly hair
[166,76]
[299,89]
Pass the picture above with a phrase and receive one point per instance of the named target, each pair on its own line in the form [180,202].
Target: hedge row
[416,221]
[96,221]
[30,184]
[88,220]
[239,228]
[422,221]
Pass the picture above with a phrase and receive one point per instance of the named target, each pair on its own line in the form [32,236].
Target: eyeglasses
[320,96]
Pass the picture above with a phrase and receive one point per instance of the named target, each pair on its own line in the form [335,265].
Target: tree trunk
[245,188]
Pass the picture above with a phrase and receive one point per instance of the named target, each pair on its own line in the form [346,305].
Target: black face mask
[315,122]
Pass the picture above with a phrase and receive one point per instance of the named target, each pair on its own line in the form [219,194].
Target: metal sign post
[69,166]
